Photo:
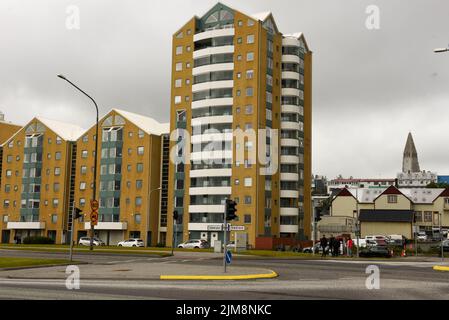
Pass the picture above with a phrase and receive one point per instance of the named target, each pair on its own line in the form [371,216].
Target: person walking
[323,244]
[331,245]
[350,245]
[337,246]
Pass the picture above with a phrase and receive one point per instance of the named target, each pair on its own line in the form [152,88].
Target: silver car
[195,244]
[85,241]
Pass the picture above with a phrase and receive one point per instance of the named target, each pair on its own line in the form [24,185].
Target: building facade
[389,211]
[35,184]
[341,183]
[130,181]
[241,123]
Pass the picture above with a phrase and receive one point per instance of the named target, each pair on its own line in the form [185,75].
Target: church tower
[410,162]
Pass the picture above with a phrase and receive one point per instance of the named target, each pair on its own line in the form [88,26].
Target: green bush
[160,245]
[38,240]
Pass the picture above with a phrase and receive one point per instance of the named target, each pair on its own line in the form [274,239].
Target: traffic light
[231,209]
[94,218]
[175,216]
[78,213]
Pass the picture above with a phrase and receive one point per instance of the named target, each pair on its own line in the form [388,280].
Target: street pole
[94,191]
[71,233]
[175,229]
[357,221]
[441,237]
[225,229]
[313,231]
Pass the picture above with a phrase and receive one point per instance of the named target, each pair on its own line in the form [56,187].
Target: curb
[270,275]
[43,266]
[441,268]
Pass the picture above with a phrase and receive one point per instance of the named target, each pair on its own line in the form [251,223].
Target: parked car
[230,245]
[85,241]
[445,246]
[422,236]
[195,244]
[318,249]
[131,243]
[362,243]
[375,251]
[376,237]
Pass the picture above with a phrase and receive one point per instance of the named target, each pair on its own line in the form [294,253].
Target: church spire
[410,162]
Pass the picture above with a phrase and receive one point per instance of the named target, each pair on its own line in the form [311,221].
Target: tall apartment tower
[241,122]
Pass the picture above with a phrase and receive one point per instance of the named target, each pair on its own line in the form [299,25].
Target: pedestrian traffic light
[175,216]
[78,213]
[231,209]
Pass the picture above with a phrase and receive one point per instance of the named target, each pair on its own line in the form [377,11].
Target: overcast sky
[371,87]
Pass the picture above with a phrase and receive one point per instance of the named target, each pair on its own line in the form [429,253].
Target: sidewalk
[145,271]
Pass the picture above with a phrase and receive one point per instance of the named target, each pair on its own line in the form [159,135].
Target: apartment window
[8,173]
[239,40]
[5,218]
[188,65]
[239,57]
[181,115]
[247,218]
[249,92]
[56,187]
[179,66]
[249,74]
[7,188]
[240,23]
[140,151]
[248,199]
[137,218]
[250,56]
[250,39]
[178,50]
[418,216]
[82,202]
[187,82]
[141,134]
[178,83]
[248,126]
[9,159]
[189,31]
[84,154]
[138,201]
[180,35]
[85,138]
[139,184]
[83,170]
[428,216]
[237,182]
[248,182]
[82,186]
[392,199]
[55,203]
[58,140]
[58,155]
[139,167]
[6,204]
[57,171]
[239,75]
[178,99]
[54,218]
[250,23]
[189,48]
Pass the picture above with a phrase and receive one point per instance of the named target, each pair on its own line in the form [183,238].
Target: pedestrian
[331,245]
[350,245]
[323,244]
[336,247]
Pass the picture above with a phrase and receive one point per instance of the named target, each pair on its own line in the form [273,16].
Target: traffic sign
[238,228]
[228,257]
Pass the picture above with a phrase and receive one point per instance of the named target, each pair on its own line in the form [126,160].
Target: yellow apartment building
[233,72]
[132,178]
[35,181]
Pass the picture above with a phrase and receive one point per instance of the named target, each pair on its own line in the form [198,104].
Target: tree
[440,185]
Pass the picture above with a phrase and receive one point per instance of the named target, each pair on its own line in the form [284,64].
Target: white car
[85,241]
[131,243]
[376,237]
[194,244]
[422,236]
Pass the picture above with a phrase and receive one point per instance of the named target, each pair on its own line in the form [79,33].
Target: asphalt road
[298,279]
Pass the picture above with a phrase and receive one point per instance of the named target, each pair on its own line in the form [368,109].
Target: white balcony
[290,194]
[289,143]
[288,58]
[290,92]
[289,212]
[218,102]
[207,209]
[25,226]
[210,191]
[291,42]
[212,137]
[211,155]
[290,75]
[289,177]
[120,226]
[289,229]
[288,108]
[216,33]
[290,125]
[213,50]
[210,173]
[213,85]
[212,120]
[289,159]
[213,68]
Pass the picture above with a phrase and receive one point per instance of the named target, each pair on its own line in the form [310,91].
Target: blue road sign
[228,257]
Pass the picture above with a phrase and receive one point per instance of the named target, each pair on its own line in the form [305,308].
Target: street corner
[267,274]
[441,268]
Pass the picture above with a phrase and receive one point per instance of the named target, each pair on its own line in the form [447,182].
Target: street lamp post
[94,191]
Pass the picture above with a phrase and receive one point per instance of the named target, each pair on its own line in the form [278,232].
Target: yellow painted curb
[236,277]
[441,268]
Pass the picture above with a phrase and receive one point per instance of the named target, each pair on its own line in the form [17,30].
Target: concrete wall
[386,228]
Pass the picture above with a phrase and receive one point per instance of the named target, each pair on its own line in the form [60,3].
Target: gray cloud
[370,87]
